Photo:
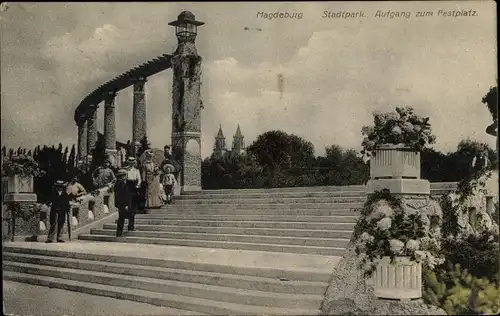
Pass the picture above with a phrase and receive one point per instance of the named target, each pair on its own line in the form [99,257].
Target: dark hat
[131,159]
[122,172]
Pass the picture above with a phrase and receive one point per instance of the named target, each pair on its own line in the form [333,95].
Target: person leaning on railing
[75,190]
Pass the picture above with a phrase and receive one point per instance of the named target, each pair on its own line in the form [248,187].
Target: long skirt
[154,191]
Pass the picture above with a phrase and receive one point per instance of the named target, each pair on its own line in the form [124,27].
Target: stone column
[91,133]
[139,113]
[82,141]
[110,128]
[186,116]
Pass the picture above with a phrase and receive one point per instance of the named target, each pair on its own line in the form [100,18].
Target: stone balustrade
[80,212]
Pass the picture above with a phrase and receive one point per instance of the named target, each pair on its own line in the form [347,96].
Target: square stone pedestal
[399,186]
[18,226]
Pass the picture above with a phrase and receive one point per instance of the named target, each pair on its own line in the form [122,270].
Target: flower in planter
[380,210]
[20,165]
[367,237]
[400,127]
[396,245]
[412,244]
[384,223]
[387,228]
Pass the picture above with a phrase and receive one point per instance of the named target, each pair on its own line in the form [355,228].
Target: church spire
[238,143]
[220,143]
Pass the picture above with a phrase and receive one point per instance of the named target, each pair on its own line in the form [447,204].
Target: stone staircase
[291,221]
[250,252]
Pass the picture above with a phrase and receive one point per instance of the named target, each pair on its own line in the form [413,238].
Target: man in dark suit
[60,206]
[123,201]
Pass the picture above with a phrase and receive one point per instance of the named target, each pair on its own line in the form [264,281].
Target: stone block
[395,163]
[400,280]
[399,186]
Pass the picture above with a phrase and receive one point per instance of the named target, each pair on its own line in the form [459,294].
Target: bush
[478,255]
[459,293]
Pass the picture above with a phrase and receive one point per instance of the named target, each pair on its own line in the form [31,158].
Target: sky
[336,71]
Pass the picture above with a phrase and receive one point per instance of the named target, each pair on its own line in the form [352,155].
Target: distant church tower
[220,143]
[238,143]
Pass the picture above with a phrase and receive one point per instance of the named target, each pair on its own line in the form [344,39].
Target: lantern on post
[186,27]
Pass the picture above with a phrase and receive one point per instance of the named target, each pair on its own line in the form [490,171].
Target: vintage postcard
[250,158]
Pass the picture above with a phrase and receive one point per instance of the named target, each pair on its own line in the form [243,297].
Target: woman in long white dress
[151,174]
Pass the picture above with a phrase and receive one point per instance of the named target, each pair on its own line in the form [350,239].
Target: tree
[491,101]
[64,159]
[287,159]
[231,171]
[72,157]
[342,167]
[71,164]
[276,148]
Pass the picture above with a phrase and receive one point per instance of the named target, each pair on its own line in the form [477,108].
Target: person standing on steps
[151,177]
[134,182]
[60,206]
[169,183]
[123,201]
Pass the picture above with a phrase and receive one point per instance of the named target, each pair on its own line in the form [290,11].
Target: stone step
[310,274]
[162,299]
[357,188]
[314,189]
[255,239]
[267,194]
[233,201]
[242,230]
[237,211]
[193,290]
[201,277]
[224,217]
[253,224]
[327,251]
[249,206]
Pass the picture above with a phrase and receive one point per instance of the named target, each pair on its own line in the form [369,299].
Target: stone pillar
[82,141]
[139,114]
[91,133]
[20,199]
[110,128]
[186,116]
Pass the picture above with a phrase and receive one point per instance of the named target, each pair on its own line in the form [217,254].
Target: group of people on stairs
[135,189]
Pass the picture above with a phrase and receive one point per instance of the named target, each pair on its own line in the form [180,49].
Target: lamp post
[186,29]
[186,103]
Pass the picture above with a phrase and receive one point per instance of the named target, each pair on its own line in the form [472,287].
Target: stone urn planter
[394,162]
[19,184]
[400,280]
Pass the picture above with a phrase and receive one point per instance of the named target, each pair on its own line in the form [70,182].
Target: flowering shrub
[389,228]
[465,208]
[20,165]
[401,127]
[460,293]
